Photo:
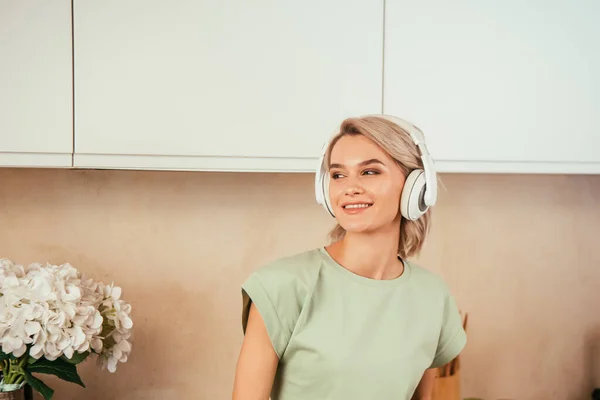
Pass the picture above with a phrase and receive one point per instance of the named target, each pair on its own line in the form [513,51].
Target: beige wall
[521,254]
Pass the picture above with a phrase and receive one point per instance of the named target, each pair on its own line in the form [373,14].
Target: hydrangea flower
[56,312]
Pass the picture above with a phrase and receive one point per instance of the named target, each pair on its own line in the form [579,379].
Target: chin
[359,228]
[365,227]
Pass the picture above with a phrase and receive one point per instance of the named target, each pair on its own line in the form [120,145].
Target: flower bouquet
[52,318]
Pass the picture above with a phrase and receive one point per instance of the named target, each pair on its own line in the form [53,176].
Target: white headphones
[420,187]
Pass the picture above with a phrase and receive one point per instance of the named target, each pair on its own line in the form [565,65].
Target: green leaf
[4,356]
[58,367]
[39,386]
[77,358]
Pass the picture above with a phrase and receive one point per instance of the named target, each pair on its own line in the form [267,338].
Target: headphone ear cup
[412,205]
[322,191]
[322,183]
[327,200]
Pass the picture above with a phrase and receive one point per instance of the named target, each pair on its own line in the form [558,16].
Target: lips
[356,207]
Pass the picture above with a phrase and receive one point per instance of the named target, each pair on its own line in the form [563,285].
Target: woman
[355,319]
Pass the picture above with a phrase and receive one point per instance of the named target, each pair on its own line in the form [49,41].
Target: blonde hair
[400,146]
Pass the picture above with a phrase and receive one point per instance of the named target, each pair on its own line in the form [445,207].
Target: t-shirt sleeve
[275,299]
[452,337]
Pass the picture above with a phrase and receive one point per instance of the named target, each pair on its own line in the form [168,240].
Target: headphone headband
[420,191]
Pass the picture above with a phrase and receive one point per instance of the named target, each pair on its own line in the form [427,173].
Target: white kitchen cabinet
[498,86]
[231,85]
[36,117]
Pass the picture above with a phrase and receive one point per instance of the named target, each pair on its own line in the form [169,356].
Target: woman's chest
[383,341]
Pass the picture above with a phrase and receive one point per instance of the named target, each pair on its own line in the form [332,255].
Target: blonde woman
[355,320]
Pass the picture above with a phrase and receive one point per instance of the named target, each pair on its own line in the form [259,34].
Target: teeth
[357,206]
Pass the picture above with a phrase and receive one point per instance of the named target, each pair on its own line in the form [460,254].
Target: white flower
[60,313]
[117,327]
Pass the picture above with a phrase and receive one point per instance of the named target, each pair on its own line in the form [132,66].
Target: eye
[371,172]
[336,175]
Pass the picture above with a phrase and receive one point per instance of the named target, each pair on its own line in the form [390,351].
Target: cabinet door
[221,85]
[36,122]
[498,86]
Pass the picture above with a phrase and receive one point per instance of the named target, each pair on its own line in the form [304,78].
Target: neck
[373,255]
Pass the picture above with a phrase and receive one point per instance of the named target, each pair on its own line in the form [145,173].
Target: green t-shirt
[342,336]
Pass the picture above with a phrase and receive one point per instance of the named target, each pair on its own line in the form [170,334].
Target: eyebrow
[360,164]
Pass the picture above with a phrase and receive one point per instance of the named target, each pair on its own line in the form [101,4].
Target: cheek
[334,191]
[387,193]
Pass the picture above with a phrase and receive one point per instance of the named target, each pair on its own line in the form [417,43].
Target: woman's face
[365,185]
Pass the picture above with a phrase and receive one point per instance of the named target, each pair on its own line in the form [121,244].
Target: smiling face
[365,185]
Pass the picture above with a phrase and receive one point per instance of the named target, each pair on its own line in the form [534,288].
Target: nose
[353,188]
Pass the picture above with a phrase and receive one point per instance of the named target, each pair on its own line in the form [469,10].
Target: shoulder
[299,269]
[443,312]
[286,281]
[428,282]
[279,289]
